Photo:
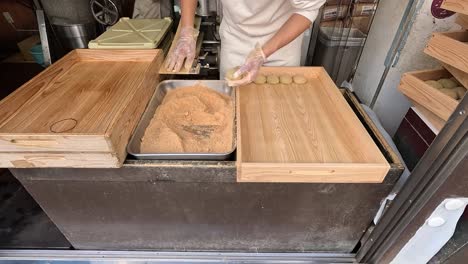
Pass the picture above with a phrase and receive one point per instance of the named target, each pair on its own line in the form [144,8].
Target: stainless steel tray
[133,147]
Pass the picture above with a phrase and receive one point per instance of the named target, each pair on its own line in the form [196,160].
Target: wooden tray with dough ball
[80,111]
[450,48]
[414,86]
[303,133]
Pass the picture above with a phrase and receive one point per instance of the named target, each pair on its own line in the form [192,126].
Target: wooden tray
[413,86]
[79,112]
[302,133]
[450,48]
[459,6]
[462,20]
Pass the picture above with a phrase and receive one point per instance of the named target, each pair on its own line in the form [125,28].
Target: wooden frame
[458,6]
[413,86]
[450,48]
[79,112]
[303,133]
[462,20]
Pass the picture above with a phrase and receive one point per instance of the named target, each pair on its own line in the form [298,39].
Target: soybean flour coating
[193,119]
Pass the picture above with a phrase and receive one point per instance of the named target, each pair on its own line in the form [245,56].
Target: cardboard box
[334,23]
[334,12]
[362,23]
[25,45]
[364,9]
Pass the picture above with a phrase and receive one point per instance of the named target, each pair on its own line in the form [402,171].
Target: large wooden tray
[79,112]
[303,133]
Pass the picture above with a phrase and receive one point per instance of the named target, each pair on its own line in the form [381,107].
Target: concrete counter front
[199,206]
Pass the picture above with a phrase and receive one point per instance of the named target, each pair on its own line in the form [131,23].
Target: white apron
[246,22]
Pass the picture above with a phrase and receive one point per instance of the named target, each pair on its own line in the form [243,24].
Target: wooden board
[413,86]
[459,6]
[462,20]
[88,102]
[461,76]
[302,133]
[450,48]
[183,70]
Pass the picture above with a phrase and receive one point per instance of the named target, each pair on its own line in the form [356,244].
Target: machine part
[106,12]
[75,36]
[134,145]
[433,235]
[203,8]
[71,11]
[44,38]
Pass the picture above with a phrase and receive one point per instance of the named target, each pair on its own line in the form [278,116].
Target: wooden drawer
[413,86]
[450,48]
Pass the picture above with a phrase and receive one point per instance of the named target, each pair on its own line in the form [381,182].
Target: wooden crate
[462,20]
[459,6]
[450,48]
[413,86]
[79,112]
[303,133]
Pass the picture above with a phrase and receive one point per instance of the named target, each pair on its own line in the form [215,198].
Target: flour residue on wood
[192,119]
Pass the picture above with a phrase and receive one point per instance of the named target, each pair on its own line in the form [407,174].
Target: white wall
[391,105]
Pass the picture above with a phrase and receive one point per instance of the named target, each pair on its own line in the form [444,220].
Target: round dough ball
[434,84]
[261,79]
[272,79]
[447,83]
[285,79]
[299,79]
[230,74]
[450,92]
[460,91]
[456,81]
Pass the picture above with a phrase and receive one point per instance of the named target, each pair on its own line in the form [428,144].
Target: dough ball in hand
[230,74]
[272,79]
[299,79]
[434,84]
[260,79]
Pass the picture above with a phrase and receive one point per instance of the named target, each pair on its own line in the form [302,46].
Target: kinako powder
[192,119]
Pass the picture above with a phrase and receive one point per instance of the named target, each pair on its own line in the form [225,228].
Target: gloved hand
[249,70]
[184,49]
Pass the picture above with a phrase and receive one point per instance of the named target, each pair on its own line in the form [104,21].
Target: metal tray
[133,147]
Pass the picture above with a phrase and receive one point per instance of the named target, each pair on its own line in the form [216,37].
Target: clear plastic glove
[249,70]
[184,50]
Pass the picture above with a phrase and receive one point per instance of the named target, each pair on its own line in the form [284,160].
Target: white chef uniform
[246,22]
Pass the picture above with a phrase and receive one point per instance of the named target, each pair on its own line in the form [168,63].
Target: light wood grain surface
[184,70]
[461,76]
[459,6]
[450,48]
[89,101]
[462,20]
[303,133]
[413,86]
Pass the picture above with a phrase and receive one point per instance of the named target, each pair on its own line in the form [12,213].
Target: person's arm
[305,12]
[290,30]
[185,47]
[187,9]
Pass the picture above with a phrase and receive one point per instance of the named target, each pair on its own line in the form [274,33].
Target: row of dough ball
[283,79]
[450,87]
